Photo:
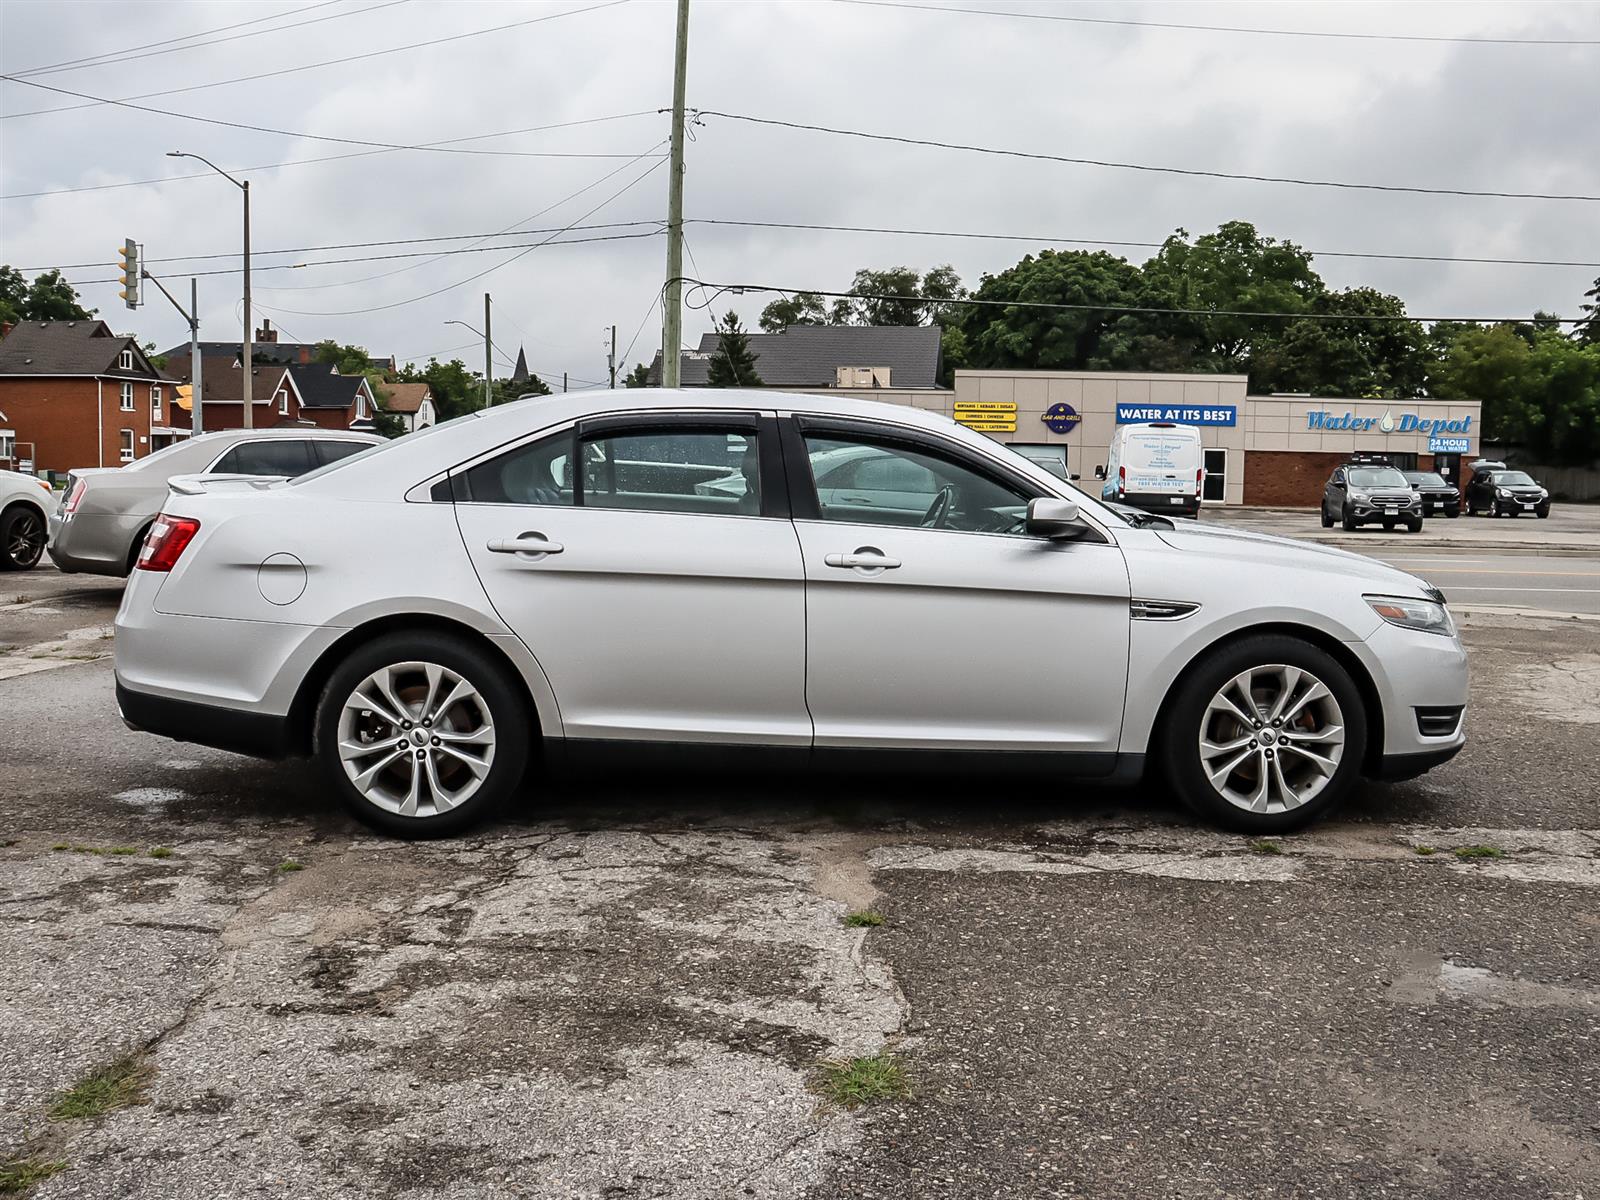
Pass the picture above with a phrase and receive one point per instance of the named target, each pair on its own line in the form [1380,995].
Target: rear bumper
[1160,502]
[93,543]
[260,735]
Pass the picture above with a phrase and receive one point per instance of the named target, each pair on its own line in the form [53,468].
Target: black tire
[1350,525]
[1414,525]
[1452,513]
[1542,511]
[23,533]
[1177,742]
[1327,519]
[1388,526]
[503,700]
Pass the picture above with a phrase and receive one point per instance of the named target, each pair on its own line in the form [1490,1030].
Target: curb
[1553,550]
[1507,610]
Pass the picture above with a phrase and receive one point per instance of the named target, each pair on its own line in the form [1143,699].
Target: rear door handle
[526,543]
[866,558]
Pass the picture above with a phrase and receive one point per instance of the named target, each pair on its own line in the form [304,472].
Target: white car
[24,514]
[422,616]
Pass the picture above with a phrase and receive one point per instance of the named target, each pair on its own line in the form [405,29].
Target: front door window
[865,481]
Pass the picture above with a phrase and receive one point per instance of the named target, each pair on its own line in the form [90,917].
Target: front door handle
[865,558]
[525,543]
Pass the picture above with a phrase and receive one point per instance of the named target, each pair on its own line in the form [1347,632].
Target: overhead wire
[1193,172]
[1466,39]
[342,60]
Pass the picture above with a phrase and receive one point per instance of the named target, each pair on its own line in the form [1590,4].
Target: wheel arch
[1371,701]
[303,708]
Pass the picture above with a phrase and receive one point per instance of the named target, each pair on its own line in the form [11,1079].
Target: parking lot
[629,985]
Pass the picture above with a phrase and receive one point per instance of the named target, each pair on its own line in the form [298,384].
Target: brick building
[293,394]
[75,394]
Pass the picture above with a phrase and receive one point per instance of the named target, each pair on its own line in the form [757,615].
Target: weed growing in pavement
[1479,852]
[160,852]
[289,864]
[123,851]
[61,846]
[1263,846]
[20,1174]
[865,918]
[857,1081]
[1425,850]
[116,1086]
[9,842]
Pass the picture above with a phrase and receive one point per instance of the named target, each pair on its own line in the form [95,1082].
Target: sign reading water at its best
[1178,414]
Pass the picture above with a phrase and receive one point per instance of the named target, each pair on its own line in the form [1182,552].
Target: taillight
[74,497]
[168,538]
[1199,479]
[1122,479]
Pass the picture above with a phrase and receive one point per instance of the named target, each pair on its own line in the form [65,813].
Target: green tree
[638,377]
[803,308]
[732,364]
[1000,333]
[48,298]
[456,390]
[1588,332]
[1360,358]
[1561,408]
[896,296]
[505,390]
[1490,364]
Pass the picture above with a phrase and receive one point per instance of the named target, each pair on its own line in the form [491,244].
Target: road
[1567,583]
[626,986]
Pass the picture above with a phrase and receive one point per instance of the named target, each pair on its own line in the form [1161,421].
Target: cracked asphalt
[624,987]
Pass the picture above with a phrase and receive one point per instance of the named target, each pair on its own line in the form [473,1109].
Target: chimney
[266,333]
[305,354]
[6,327]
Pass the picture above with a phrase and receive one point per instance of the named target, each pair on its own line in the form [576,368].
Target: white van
[1157,466]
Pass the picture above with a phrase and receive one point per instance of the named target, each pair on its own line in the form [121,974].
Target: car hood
[1265,549]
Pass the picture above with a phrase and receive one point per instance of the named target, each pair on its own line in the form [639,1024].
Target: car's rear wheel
[422,734]
[1265,735]
[22,538]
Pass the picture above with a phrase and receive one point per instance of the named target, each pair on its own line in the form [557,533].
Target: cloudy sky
[1438,114]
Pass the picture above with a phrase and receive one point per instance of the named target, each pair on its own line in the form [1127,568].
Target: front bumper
[1414,671]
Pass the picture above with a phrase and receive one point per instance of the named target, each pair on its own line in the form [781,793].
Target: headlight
[1425,615]
[1544,494]
[1502,494]
[1359,497]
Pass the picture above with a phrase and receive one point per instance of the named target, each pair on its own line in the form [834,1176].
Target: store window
[1406,461]
[1215,488]
[1052,456]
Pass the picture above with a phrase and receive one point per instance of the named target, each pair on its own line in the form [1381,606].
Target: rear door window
[278,456]
[332,452]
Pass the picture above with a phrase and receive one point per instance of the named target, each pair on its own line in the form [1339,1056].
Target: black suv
[1438,494]
[1361,493]
[1494,489]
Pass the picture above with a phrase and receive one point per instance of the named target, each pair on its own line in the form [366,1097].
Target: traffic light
[130,273]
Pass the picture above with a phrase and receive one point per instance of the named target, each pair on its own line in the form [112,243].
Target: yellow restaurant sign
[1005,408]
[988,426]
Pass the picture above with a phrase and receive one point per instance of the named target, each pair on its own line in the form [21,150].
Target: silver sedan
[421,617]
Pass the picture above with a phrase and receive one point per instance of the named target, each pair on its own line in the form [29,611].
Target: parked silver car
[421,617]
[106,511]
[24,508]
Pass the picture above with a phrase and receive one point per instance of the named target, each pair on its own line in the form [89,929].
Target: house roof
[406,397]
[223,382]
[320,387]
[71,348]
[810,355]
[286,353]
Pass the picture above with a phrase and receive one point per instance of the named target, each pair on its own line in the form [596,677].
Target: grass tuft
[61,846]
[289,864]
[20,1174]
[123,851]
[1426,850]
[160,852]
[857,1081]
[116,1086]
[1263,846]
[865,918]
[1479,852]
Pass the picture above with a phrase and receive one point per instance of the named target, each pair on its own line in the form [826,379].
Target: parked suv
[106,511]
[1363,493]
[1495,490]
[1438,494]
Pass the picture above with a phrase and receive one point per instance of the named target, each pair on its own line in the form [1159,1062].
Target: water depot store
[1274,450]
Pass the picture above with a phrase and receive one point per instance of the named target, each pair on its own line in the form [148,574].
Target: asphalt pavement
[628,986]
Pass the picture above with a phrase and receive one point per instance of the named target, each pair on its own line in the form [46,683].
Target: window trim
[126,452]
[125,398]
[155,402]
[125,361]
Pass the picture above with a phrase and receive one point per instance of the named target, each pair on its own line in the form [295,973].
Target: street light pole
[672,301]
[249,336]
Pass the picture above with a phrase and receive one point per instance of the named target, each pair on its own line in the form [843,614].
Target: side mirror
[1073,477]
[1099,472]
[1052,518]
[1339,483]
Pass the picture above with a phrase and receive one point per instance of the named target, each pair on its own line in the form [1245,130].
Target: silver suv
[106,511]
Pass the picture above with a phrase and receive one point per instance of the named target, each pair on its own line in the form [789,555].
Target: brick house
[265,349]
[75,394]
[292,394]
[329,399]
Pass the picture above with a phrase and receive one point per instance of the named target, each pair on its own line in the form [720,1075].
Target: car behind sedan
[105,512]
[422,618]
[24,509]
[1439,495]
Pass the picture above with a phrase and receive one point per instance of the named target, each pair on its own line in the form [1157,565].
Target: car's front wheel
[1265,736]
[1327,518]
[422,734]
[22,538]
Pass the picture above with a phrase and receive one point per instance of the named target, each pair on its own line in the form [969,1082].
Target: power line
[116,55]
[717,289]
[1125,166]
[331,62]
[1310,33]
[480,274]
[1017,237]
[315,137]
[299,162]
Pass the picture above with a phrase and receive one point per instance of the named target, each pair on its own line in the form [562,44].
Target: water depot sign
[1178,414]
[1388,423]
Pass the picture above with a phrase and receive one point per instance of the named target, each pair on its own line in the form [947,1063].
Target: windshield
[1514,479]
[1376,477]
[1426,479]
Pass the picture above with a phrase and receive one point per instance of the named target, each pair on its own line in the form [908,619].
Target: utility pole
[488,356]
[249,320]
[563,381]
[672,302]
[611,359]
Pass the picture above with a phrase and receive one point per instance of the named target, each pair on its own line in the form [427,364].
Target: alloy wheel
[1271,739]
[25,540]
[416,739]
